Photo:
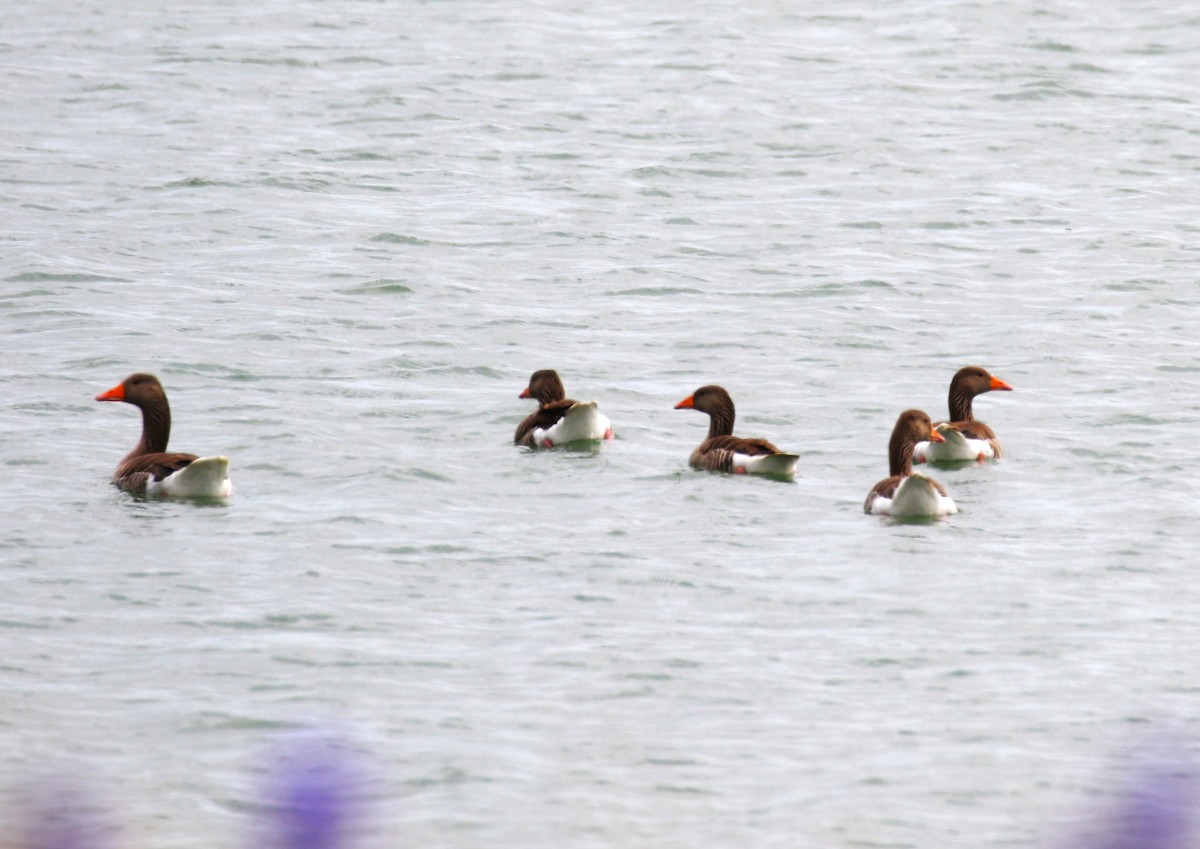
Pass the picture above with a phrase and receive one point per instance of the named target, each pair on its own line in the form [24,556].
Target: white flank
[765,464]
[205,477]
[583,422]
[916,496]
[956,447]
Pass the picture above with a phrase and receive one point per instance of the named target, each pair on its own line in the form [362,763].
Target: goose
[149,469]
[963,437]
[907,493]
[558,420]
[721,451]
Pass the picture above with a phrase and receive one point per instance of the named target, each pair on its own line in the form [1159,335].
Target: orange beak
[686,404]
[117,393]
[997,383]
[934,436]
[525,393]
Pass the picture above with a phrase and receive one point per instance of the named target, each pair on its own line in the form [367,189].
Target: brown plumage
[911,427]
[559,420]
[553,403]
[716,453]
[968,382]
[149,459]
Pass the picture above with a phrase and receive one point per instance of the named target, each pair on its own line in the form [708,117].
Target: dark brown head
[975,381]
[912,426]
[545,386]
[968,382]
[715,401]
[141,390]
[145,392]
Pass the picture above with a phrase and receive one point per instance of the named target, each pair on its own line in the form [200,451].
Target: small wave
[193,183]
[51,277]
[382,286]
[656,291]
[400,239]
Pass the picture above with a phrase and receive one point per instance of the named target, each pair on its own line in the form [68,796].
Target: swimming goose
[724,452]
[148,469]
[963,437]
[906,493]
[558,419]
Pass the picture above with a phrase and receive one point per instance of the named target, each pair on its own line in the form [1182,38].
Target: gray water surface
[344,233]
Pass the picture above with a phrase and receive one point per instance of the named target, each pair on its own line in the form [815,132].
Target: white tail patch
[204,477]
[766,464]
[956,447]
[917,496]
[583,422]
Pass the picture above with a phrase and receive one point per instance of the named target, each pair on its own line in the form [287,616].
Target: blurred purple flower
[314,794]
[58,814]
[1156,809]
